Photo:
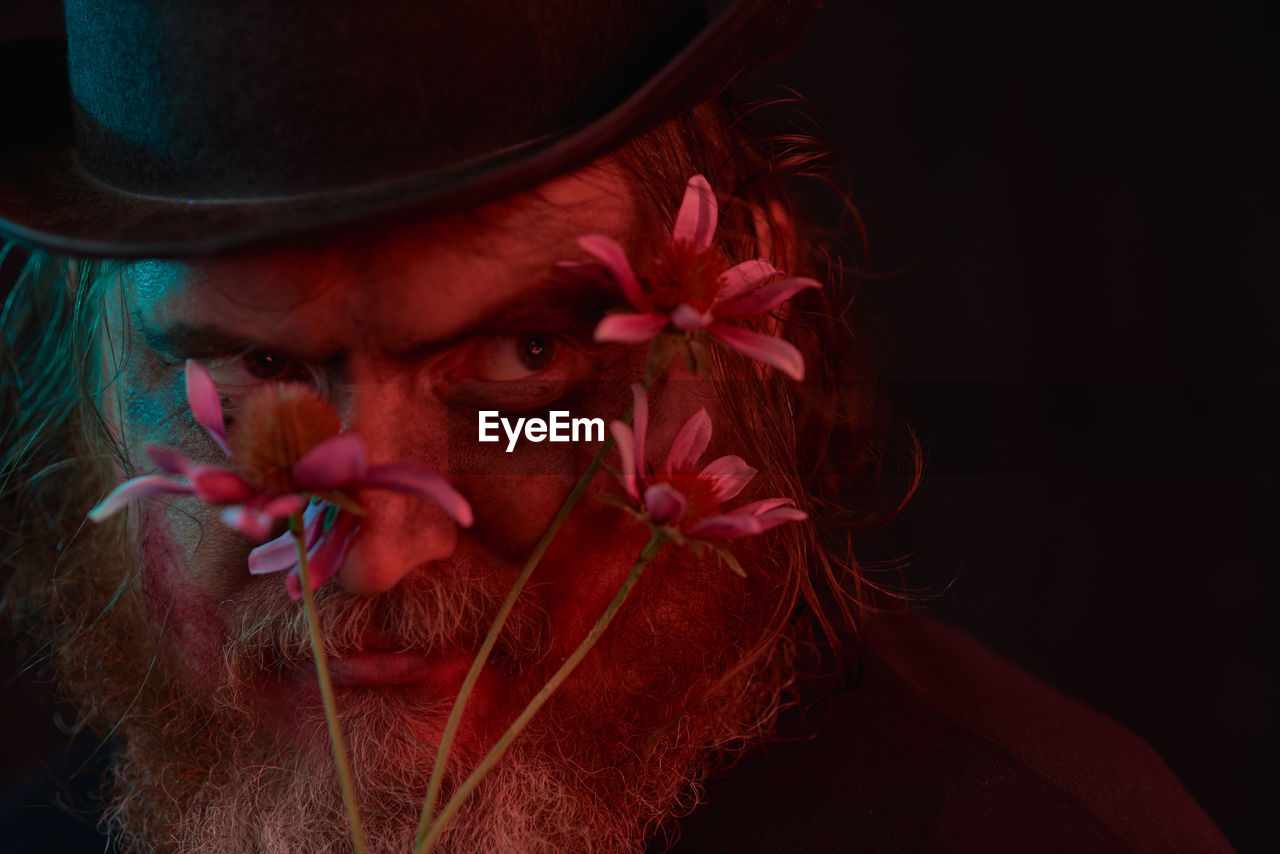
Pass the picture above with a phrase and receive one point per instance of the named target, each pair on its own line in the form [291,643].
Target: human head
[732,685]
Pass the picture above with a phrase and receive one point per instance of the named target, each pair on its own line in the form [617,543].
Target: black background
[1071,210]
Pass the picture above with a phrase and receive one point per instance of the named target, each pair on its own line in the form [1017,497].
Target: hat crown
[275,98]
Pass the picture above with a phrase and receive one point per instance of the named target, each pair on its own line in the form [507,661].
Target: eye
[536,351]
[272,367]
[515,372]
[244,372]
[513,357]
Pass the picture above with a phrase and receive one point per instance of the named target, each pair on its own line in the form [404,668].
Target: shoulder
[941,745]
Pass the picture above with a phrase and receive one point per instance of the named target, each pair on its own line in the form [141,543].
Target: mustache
[432,608]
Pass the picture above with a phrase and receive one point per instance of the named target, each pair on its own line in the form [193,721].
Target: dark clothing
[937,744]
[943,746]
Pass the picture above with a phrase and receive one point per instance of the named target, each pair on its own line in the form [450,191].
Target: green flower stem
[326,689]
[464,693]
[495,753]
[656,364]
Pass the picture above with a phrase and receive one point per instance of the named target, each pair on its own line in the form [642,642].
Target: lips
[379,662]
[373,668]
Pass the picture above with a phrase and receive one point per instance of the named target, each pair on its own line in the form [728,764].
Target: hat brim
[47,201]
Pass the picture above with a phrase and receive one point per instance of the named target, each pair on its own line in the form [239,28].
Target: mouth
[443,669]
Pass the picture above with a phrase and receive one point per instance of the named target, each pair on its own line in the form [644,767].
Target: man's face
[411,332]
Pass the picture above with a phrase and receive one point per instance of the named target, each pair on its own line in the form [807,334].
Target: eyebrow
[190,340]
[552,307]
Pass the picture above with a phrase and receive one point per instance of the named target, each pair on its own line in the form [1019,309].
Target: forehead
[405,284]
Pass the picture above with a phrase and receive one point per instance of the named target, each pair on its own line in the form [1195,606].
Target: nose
[399,533]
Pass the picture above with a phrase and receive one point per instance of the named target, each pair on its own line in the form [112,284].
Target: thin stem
[496,752]
[653,371]
[326,689]
[464,693]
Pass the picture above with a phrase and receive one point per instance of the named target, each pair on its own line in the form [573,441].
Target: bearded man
[418,216]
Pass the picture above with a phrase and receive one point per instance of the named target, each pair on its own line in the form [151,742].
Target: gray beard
[610,761]
[600,768]
[199,783]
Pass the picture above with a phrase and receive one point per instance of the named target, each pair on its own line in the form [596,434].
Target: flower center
[700,500]
[685,274]
[275,428]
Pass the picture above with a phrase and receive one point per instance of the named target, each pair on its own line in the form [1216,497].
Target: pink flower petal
[281,506]
[248,521]
[625,440]
[282,552]
[725,527]
[421,481]
[664,504]
[273,556]
[168,460]
[332,464]
[137,489]
[747,521]
[215,485]
[312,517]
[611,255]
[323,564]
[755,508]
[259,515]
[202,397]
[764,299]
[630,328]
[764,348]
[696,219]
[776,517]
[591,272]
[745,277]
[332,548]
[689,319]
[728,476]
[689,444]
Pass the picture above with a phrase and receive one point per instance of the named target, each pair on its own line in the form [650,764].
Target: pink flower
[286,447]
[328,532]
[692,287]
[682,497]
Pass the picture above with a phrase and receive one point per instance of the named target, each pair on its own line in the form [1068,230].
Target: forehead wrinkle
[267,297]
[398,289]
[521,229]
[502,252]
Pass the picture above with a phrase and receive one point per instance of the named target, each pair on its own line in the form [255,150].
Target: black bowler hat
[170,127]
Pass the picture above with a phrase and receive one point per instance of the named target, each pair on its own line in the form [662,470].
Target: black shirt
[941,745]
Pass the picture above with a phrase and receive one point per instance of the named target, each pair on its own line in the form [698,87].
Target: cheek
[190,561]
[587,562]
[517,494]
[512,511]
[684,626]
[190,564]
[589,556]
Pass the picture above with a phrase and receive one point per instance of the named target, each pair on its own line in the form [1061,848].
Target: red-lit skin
[386,322]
